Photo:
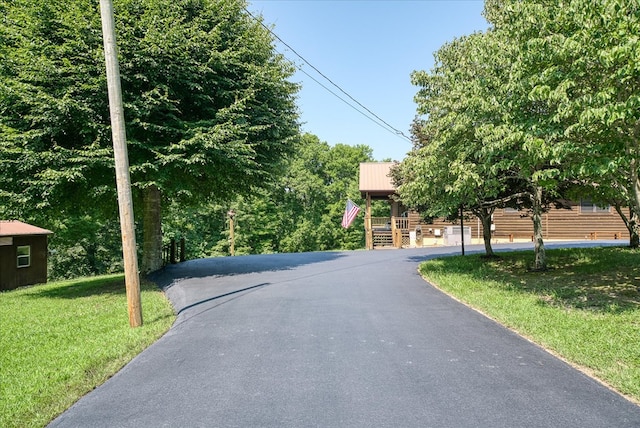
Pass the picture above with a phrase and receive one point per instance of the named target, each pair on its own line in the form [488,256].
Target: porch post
[367,224]
[397,243]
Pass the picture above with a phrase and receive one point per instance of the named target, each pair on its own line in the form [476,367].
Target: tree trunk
[634,208]
[634,231]
[152,230]
[485,218]
[540,256]
[633,226]
[462,227]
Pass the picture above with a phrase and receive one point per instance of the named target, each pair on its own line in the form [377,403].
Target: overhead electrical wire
[393,130]
[375,119]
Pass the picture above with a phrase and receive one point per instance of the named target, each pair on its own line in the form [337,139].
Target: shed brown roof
[18,228]
[375,180]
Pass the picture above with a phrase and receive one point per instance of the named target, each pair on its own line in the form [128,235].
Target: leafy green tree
[210,112]
[202,227]
[305,208]
[300,212]
[84,246]
[531,132]
[492,133]
[581,58]
[257,224]
[316,188]
[600,95]
[52,114]
[451,165]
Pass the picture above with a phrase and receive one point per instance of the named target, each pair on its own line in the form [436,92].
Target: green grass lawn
[60,340]
[585,308]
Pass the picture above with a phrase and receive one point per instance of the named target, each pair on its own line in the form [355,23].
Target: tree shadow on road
[228,266]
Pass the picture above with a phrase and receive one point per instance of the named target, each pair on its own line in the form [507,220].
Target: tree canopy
[451,164]
[303,210]
[209,109]
[544,100]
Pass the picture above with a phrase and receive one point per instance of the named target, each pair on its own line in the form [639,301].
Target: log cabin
[406,228]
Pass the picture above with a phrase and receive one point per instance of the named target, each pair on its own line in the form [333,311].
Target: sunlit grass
[585,308]
[60,340]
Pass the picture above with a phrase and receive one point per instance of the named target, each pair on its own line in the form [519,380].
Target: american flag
[350,213]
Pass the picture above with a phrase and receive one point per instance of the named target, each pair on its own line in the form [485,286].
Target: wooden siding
[563,224]
[558,224]
[10,275]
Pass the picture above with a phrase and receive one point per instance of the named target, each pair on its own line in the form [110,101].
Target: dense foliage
[211,125]
[209,110]
[301,212]
[544,101]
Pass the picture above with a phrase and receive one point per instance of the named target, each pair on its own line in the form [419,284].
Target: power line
[378,120]
[392,130]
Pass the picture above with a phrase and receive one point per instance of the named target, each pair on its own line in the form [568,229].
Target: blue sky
[369,49]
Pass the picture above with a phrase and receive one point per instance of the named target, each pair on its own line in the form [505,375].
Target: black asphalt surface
[338,339]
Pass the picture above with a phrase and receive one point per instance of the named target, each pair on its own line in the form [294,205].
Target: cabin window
[509,210]
[24,256]
[588,207]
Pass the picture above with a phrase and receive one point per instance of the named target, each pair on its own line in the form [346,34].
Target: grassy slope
[60,340]
[586,308]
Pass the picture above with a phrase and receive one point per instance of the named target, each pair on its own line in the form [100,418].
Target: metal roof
[375,180]
[18,228]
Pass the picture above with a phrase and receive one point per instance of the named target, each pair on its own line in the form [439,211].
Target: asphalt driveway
[338,339]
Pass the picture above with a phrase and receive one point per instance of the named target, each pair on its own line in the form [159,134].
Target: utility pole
[121,157]
[232,251]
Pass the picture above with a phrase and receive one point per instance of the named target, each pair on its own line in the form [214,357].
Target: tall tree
[209,109]
[530,130]
[492,135]
[600,95]
[450,165]
[579,60]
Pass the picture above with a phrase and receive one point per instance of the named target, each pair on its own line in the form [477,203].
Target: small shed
[23,254]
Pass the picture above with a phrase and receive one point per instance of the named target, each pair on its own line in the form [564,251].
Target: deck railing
[385,223]
[388,231]
[381,223]
[402,223]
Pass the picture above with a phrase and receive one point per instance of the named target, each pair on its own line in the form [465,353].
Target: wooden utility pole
[232,250]
[121,157]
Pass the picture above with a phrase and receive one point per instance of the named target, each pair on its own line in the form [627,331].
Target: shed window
[24,256]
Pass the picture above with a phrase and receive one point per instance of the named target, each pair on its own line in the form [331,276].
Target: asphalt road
[338,339]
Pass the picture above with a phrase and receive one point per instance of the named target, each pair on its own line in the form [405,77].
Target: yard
[60,340]
[585,308]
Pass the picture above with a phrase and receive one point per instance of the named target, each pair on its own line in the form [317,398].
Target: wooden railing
[402,223]
[381,223]
[382,238]
[390,231]
[385,223]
